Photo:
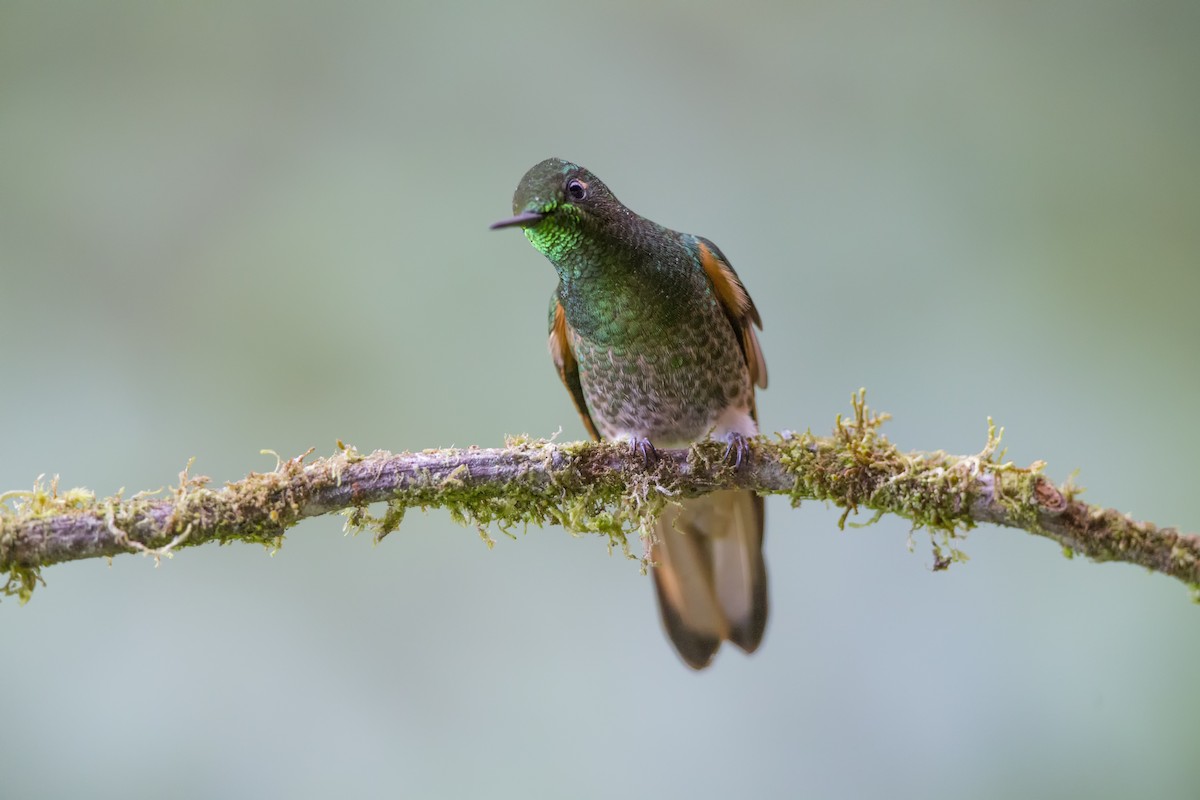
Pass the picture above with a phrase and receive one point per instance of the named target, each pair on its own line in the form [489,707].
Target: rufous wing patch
[739,308]
[568,367]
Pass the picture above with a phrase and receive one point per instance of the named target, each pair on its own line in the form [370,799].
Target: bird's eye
[576,189]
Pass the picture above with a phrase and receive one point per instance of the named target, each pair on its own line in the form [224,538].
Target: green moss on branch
[587,488]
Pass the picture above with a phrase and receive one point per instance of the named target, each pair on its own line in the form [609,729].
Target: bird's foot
[738,450]
[642,446]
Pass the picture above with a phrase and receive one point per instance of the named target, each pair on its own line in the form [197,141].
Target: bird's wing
[565,363]
[738,306]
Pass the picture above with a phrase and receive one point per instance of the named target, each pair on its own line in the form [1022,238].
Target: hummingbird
[652,333]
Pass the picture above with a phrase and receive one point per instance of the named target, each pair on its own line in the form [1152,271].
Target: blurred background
[233,226]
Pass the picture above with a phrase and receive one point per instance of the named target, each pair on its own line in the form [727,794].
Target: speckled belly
[670,393]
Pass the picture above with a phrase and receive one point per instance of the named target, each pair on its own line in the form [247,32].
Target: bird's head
[558,203]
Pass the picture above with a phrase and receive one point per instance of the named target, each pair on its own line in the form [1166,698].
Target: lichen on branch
[585,487]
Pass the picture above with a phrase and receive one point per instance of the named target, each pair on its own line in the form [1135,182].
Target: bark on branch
[592,487]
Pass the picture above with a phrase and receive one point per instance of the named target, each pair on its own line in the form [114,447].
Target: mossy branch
[585,487]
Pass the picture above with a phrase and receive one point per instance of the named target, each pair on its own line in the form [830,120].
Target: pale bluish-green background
[230,226]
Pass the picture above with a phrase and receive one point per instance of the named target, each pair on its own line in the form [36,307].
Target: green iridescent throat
[558,234]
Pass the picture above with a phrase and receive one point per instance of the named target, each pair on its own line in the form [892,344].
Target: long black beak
[522,219]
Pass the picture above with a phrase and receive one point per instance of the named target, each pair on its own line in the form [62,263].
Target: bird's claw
[643,447]
[738,450]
